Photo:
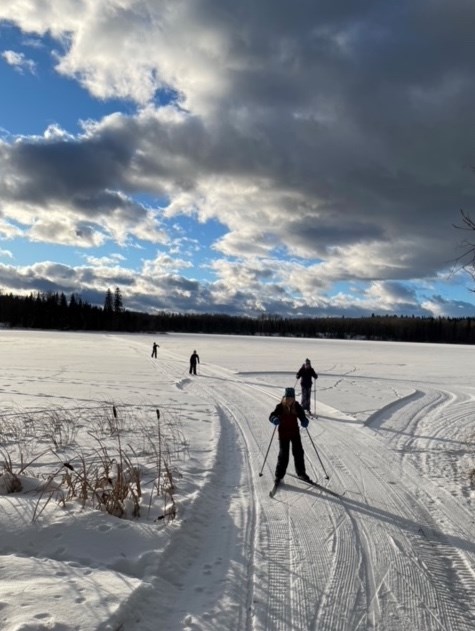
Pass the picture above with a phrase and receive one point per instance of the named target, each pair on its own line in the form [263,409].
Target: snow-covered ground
[395,433]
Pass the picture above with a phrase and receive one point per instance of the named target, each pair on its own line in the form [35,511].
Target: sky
[394,436]
[307,159]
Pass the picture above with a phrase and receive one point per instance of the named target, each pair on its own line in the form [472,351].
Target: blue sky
[214,156]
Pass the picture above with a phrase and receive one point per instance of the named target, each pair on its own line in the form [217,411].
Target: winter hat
[307,361]
[289,393]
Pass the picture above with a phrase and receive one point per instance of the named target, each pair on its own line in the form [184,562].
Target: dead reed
[120,459]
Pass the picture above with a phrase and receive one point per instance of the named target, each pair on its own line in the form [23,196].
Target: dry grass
[101,457]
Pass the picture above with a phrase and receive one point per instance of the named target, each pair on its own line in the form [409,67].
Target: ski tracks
[298,558]
[416,575]
[374,559]
[378,558]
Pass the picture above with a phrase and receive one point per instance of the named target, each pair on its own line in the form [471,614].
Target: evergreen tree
[118,306]
[108,302]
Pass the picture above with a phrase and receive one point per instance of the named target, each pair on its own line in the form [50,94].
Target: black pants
[306,393]
[283,457]
[193,369]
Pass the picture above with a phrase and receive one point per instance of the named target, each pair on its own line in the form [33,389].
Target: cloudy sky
[305,157]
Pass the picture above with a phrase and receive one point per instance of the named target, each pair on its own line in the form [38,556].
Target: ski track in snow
[376,558]
[405,544]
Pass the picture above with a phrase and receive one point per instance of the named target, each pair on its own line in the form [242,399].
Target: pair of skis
[273,490]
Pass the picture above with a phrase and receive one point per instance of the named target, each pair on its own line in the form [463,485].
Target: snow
[395,434]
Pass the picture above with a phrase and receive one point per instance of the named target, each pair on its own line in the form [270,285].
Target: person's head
[307,362]
[289,397]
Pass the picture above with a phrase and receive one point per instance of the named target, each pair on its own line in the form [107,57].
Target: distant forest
[56,311]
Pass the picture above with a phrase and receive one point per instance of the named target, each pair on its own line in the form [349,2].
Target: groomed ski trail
[377,558]
[371,559]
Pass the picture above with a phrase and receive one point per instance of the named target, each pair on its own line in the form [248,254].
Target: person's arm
[301,414]
[274,417]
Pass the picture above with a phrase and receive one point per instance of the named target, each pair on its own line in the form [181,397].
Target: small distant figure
[154,349]
[306,374]
[286,417]
[194,359]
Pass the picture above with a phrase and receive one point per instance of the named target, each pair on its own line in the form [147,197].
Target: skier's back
[194,359]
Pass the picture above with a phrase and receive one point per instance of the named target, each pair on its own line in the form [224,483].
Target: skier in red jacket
[286,416]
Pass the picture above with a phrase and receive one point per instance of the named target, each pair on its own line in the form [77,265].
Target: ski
[273,490]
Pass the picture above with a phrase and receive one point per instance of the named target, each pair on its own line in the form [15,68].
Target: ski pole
[267,452]
[327,477]
[315,397]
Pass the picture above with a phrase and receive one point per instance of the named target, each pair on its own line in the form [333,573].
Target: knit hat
[290,393]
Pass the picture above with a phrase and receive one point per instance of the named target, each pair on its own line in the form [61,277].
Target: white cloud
[105,261]
[19,61]
[9,230]
[438,306]
[164,265]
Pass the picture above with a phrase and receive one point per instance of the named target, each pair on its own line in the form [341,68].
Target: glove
[304,423]
[275,420]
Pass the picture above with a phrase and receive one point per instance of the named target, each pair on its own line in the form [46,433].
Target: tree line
[57,311]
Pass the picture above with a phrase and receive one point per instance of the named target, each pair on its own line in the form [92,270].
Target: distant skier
[154,349]
[286,416]
[194,359]
[306,374]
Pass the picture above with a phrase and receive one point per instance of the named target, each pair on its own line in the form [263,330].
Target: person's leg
[305,398]
[298,454]
[283,458]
